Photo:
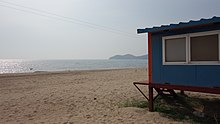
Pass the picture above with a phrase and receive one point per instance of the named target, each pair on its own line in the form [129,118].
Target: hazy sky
[88,29]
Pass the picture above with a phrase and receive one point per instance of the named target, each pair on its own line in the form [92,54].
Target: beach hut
[183,56]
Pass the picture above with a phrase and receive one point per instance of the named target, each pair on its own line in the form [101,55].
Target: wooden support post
[182,92]
[151,99]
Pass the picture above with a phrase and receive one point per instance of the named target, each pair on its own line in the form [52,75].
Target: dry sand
[74,97]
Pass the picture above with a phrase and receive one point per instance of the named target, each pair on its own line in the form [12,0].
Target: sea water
[22,66]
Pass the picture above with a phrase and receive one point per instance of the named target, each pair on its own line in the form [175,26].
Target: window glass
[204,48]
[175,50]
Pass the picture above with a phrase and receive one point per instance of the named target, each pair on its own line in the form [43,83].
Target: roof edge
[181,25]
[141,31]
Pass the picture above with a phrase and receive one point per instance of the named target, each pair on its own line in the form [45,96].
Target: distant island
[129,56]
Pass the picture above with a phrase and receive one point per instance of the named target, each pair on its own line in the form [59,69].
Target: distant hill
[128,56]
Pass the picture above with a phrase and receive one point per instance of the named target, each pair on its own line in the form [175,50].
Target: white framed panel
[188,48]
[203,34]
[178,59]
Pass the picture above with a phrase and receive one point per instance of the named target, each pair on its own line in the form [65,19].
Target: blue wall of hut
[192,75]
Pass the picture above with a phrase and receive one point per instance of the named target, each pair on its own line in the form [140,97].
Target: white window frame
[188,52]
[164,53]
[204,34]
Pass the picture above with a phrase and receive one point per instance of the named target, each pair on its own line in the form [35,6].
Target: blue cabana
[184,56]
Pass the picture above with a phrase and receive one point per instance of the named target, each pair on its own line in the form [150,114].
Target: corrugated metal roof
[191,23]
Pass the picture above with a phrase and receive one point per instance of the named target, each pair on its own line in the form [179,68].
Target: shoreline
[66,71]
[37,73]
[26,66]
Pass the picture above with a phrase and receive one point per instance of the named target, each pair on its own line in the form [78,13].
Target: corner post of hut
[150,88]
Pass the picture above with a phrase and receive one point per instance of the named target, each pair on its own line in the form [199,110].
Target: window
[204,48]
[194,48]
[175,50]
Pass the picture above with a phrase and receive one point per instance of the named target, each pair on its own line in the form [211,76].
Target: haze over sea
[23,66]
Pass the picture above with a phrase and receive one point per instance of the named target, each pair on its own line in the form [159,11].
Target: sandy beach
[74,98]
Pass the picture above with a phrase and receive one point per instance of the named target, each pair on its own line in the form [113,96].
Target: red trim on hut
[149,58]
[151,106]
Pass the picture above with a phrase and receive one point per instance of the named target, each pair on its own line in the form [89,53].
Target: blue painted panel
[179,74]
[193,75]
[156,58]
[208,75]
